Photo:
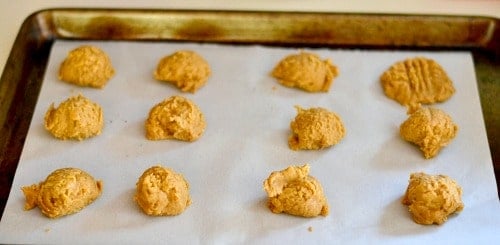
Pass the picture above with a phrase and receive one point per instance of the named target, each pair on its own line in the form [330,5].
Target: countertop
[13,14]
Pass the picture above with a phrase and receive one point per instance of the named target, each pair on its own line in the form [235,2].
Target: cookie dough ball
[185,69]
[161,191]
[432,198]
[76,118]
[65,191]
[294,191]
[87,66]
[314,129]
[175,118]
[429,128]
[417,81]
[305,71]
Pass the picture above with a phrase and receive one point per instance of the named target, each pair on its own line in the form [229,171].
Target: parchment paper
[248,115]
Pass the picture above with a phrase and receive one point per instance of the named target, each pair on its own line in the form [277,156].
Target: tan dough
[315,128]
[76,118]
[432,198]
[294,191]
[161,191]
[175,118]
[429,128]
[417,80]
[185,69]
[64,191]
[305,71]
[86,66]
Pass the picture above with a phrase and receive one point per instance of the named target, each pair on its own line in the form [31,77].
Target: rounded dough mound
[86,66]
[64,191]
[417,80]
[76,118]
[175,118]
[305,71]
[432,198]
[185,69]
[161,191]
[294,191]
[429,128]
[314,129]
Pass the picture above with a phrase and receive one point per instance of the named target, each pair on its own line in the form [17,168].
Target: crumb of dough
[87,66]
[314,129]
[76,118]
[185,69]
[429,128]
[305,71]
[294,191]
[175,118]
[417,80]
[432,198]
[161,191]
[310,228]
[64,191]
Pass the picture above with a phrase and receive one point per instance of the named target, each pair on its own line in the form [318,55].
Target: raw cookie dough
[185,69]
[429,128]
[175,118]
[64,191]
[417,80]
[305,71]
[76,118]
[294,191]
[161,191]
[432,198]
[86,66]
[315,128]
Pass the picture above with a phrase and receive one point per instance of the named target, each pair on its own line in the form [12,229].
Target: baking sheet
[248,116]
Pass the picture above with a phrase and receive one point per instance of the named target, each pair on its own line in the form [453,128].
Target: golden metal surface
[274,27]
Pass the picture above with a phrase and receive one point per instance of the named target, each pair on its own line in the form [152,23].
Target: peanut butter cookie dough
[175,118]
[432,198]
[294,191]
[64,191]
[305,71]
[429,128]
[161,191]
[87,66]
[185,69]
[76,118]
[314,129]
[417,81]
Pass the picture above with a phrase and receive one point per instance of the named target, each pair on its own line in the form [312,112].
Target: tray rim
[493,33]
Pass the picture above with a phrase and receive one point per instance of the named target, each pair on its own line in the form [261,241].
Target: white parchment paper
[248,115]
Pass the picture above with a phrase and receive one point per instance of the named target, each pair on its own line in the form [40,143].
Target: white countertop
[12,14]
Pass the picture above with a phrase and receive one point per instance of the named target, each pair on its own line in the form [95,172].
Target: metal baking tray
[22,78]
